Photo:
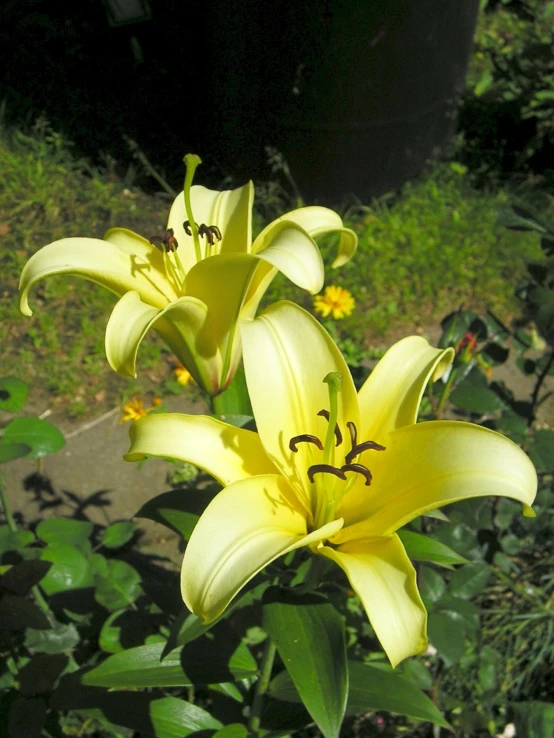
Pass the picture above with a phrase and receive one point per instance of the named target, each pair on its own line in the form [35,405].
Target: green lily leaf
[177,511]
[64,530]
[444,634]
[120,588]
[422,548]
[56,639]
[118,534]
[541,450]
[13,393]
[17,613]
[22,577]
[41,673]
[207,661]
[478,400]
[27,717]
[372,688]
[41,436]
[150,715]
[309,635]
[10,451]
[70,569]
[470,580]
[534,719]
[236,730]
[433,585]
[14,541]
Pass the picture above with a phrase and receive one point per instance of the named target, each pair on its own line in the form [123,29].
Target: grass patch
[422,253]
[425,252]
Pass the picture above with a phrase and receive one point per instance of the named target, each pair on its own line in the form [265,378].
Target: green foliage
[512,80]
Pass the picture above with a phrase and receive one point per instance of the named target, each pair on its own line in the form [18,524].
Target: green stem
[261,687]
[445,394]
[4,503]
[537,388]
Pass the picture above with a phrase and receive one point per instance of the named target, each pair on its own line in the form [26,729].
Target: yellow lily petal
[290,249]
[224,451]
[102,262]
[229,210]
[131,243]
[221,283]
[180,324]
[244,528]
[391,395]
[432,464]
[287,354]
[318,221]
[384,579]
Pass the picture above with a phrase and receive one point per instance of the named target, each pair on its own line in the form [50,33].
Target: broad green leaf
[483,83]
[512,425]
[13,393]
[417,673]
[139,667]
[432,585]
[206,661]
[462,612]
[27,717]
[70,569]
[127,628]
[497,329]
[56,639]
[17,613]
[478,400]
[541,450]
[118,534]
[517,218]
[150,715]
[41,436]
[490,662]
[22,577]
[469,580]
[460,537]
[506,511]
[177,509]
[372,688]
[120,588]
[235,400]
[236,730]
[526,366]
[64,530]
[41,673]
[10,451]
[534,719]
[495,354]
[446,636]
[422,548]
[457,324]
[309,635]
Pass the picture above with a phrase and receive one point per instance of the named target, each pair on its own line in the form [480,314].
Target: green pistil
[191,162]
[334,383]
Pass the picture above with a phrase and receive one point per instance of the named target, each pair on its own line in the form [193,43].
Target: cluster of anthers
[350,465]
[170,243]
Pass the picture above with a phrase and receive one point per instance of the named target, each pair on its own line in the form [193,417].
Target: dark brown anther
[353,433]
[304,438]
[188,229]
[325,469]
[359,469]
[338,435]
[361,447]
[168,242]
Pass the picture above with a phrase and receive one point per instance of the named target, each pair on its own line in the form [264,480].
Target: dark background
[358,95]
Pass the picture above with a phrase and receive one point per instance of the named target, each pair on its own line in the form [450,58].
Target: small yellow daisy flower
[134,409]
[182,375]
[335,301]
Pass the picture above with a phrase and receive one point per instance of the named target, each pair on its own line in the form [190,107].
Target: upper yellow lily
[330,469]
[200,277]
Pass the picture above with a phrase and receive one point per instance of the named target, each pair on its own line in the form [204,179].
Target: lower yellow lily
[330,469]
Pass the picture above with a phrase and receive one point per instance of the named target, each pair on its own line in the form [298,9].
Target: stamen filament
[191,162]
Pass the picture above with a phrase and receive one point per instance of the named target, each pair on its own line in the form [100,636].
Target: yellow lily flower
[330,469]
[198,280]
